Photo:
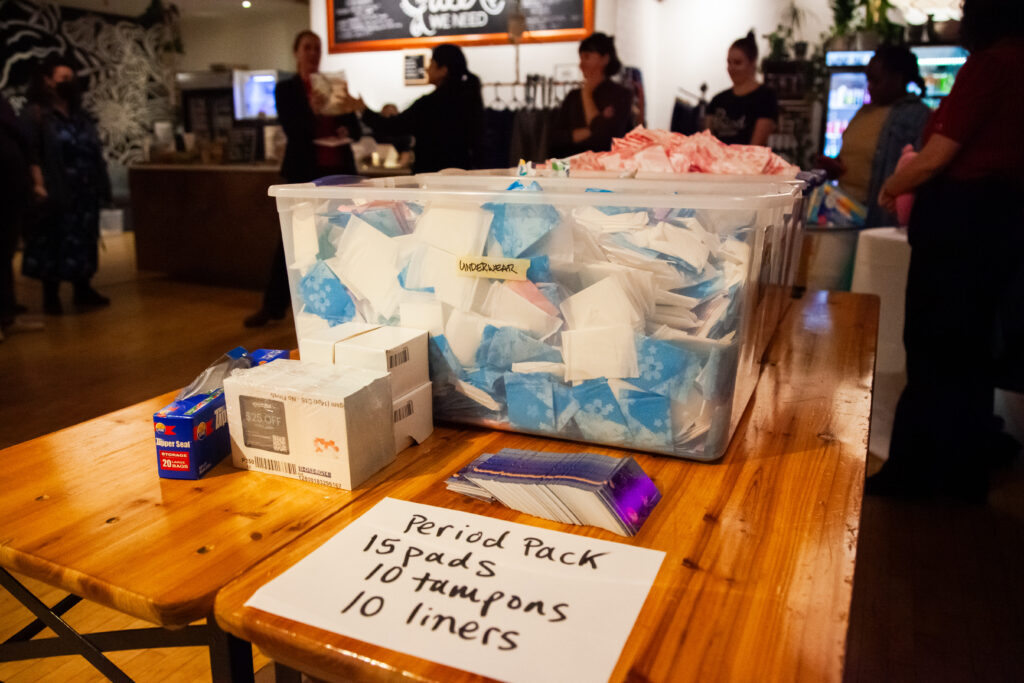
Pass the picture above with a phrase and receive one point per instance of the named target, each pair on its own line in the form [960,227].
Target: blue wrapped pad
[323,294]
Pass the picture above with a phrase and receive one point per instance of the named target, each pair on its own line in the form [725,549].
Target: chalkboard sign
[360,25]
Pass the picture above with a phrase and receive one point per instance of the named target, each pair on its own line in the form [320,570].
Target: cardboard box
[399,351]
[413,416]
[318,346]
[191,436]
[319,423]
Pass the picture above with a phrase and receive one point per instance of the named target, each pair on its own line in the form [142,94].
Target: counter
[205,223]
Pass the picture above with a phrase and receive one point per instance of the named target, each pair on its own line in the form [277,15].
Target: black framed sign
[415,67]
[360,25]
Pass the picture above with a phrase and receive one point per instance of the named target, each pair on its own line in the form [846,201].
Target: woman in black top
[446,123]
[601,110]
[745,114]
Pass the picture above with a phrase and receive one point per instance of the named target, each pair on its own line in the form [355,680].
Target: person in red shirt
[963,296]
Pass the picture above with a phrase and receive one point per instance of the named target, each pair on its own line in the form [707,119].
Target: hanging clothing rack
[538,91]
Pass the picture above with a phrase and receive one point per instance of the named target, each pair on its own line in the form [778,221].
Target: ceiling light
[246,4]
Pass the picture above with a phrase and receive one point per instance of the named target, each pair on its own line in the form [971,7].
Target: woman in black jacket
[445,123]
[298,110]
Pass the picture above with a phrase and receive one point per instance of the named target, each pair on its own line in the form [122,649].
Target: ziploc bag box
[399,351]
[264,356]
[319,423]
[623,312]
[191,436]
[413,416]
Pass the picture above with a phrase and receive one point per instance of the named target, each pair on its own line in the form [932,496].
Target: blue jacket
[903,126]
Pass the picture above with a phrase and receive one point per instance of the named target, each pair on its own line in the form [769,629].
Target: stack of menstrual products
[574,488]
[629,320]
[661,151]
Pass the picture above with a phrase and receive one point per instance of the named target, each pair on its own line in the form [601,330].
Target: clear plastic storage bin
[626,312]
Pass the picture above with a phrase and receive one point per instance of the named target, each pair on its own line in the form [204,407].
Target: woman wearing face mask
[879,131]
[592,115]
[745,114]
[299,112]
[70,183]
[446,123]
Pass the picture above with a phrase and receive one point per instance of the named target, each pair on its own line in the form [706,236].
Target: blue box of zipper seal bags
[191,435]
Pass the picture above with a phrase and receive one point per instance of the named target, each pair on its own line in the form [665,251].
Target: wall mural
[126,66]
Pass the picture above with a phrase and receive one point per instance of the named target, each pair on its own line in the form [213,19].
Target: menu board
[359,25]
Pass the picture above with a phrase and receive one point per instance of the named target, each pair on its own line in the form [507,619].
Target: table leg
[37,626]
[230,657]
[91,653]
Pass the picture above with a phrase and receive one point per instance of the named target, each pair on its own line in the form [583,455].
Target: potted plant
[793,15]
[778,41]
[873,25]
[842,22]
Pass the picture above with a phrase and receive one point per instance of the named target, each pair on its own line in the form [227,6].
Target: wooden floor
[938,592]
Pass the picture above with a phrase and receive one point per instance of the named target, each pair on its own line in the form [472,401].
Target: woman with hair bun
[446,123]
[745,114]
[590,116]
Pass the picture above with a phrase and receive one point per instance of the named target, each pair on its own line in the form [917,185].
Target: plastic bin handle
[340,179]
[812,178]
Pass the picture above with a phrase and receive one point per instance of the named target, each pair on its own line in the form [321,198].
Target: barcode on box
[403,412]
[273,465]
[398,357]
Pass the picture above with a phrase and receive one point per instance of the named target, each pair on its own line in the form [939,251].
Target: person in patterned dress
[70,183]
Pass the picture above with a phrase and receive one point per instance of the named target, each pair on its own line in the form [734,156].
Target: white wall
[676,43]
[259,41]
[683,43]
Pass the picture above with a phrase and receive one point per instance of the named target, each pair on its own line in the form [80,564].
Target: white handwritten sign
[498,599]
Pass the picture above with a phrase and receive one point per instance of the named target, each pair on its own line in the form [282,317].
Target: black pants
[10,231]
[277,296]
[967,247]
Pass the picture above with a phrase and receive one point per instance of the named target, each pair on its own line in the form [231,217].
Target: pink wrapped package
[661,151]
[905,202]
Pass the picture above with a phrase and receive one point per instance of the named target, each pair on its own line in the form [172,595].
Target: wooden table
[83,509]
[760,547]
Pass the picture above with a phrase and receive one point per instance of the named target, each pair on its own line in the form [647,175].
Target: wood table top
[83,509]
[760,546]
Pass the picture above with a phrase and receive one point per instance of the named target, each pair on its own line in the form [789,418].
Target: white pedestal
[880,268]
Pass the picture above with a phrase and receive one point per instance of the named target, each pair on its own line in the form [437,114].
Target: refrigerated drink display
[939,65]
[848,92]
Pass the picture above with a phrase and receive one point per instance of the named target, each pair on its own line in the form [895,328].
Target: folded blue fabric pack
[576,488]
